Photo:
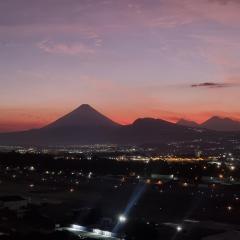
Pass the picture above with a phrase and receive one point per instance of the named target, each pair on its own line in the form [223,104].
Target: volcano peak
[84,115]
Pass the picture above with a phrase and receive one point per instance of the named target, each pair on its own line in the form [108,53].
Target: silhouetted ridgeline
[87,126]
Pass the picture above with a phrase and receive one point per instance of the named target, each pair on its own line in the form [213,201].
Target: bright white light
[122,219]
[89,174]
[97,231]
[179,228]
[232,168]
[32,168]
[107,234]
[77,227]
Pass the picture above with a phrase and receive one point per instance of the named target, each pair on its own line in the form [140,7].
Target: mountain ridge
[85,125]
[187,123]
[215,123]
[221,124]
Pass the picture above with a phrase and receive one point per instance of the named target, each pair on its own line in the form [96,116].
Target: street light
[122,219]
[179,228]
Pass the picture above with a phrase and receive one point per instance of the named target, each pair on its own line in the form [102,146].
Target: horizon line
[123,124]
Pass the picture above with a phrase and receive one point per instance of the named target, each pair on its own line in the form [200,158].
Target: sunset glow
[166,59]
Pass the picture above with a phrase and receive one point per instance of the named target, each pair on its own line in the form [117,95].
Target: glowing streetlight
[179,228]
[229,208]
[122,219]
[232,168]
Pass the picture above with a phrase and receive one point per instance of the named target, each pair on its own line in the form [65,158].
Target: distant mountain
[188,123]
[149,130]
[221,124]
[214,123]
[83,116]
[85,125]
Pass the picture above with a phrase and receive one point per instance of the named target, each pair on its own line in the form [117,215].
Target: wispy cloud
[66,49]
[174,13]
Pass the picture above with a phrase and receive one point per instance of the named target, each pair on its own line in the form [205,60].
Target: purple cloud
[211,85]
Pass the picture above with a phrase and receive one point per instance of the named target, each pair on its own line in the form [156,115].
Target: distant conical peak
[84,115]
[85,107]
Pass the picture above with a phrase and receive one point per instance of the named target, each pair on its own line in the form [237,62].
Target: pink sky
[166,59]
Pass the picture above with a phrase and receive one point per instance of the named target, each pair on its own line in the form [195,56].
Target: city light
[122,219]
[232,168]
[77,227]
[102,233]
[107,234]
[185,184]
[229,208]
[179,228]
[97,231]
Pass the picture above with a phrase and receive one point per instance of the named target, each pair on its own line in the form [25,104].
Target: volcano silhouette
[85,125]
[83,116]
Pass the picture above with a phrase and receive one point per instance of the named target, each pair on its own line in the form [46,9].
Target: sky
[166,59]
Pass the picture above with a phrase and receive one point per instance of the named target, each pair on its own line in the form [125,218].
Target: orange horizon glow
[128,59]
[32,120]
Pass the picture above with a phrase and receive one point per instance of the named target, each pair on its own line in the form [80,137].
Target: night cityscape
[119,120]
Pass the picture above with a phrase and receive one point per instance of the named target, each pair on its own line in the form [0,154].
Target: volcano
[85,125]
[83,116]
[221,124]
